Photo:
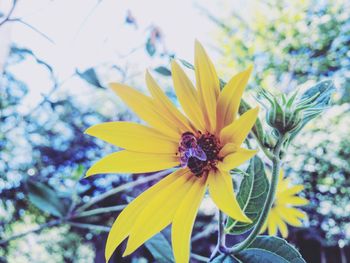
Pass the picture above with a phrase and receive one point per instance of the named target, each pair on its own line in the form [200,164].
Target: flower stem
[276,163]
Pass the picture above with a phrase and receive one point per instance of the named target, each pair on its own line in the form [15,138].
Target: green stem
[276,163]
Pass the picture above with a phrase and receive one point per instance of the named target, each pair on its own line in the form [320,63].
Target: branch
[101,210]
[7,18]
[19,20]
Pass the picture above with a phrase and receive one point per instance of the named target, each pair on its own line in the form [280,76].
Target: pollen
[200,153]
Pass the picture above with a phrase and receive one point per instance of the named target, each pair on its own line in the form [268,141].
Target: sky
[89,33]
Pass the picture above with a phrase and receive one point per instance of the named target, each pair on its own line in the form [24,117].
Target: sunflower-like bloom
[283,211]
[204,141]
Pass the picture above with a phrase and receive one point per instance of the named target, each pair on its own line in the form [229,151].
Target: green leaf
[225,258]
[150,47]
[186,64]
[160,249]
[270,249]
[251,197]
[324,89]
[78,172]
[90,77]
[163,71]
[45,198]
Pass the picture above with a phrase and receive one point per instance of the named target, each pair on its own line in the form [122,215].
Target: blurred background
[56,60]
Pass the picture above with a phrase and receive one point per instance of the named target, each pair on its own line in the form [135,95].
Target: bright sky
[86,33]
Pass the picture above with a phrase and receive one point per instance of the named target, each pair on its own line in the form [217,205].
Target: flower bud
[290,114]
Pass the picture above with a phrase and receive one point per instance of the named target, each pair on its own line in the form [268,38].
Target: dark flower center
[199,154]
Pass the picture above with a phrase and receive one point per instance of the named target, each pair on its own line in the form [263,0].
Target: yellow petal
[272,227]
[281,226]
[126,219]
[290,191]
[208,85]
[289,215]
[159,212]
[166,106]
[228,149]
[187,96]
[134,137]
[184,219]
[292,200]
[133,162]
[283,184]
[222,193]
[235,159]
[144,107]
[239,129]
[230,98]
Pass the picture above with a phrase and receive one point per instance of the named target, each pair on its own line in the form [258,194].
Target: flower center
[199,154]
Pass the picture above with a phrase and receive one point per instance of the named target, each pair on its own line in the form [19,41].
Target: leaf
[45,198]
[78,172]
[160,249]
[163,71]
[90,77]
[269,249]
[324,89]
[225,258]
[186,64]
[251,197]
[150,47]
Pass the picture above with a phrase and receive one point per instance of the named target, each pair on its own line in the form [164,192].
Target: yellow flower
[205,141]
[283,210]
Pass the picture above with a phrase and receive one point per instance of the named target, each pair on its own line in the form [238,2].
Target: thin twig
[19,20]
[199,257]
[7,18]
[101,210]
[206,232]
[123,188]
[90,226]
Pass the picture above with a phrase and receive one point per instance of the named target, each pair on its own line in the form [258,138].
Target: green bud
[289,114]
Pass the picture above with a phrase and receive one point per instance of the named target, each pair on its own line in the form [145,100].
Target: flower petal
[239,129]
[290,215]
[184,219]
[221,191]
[187,96]
[133,162]
[144,107]
[208,85]
[126,219]
[134,137]
[292,200]
[291,191]
[235,159]
[281,226]
[230,98]
[166,106]
[271,223]
[159,212]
